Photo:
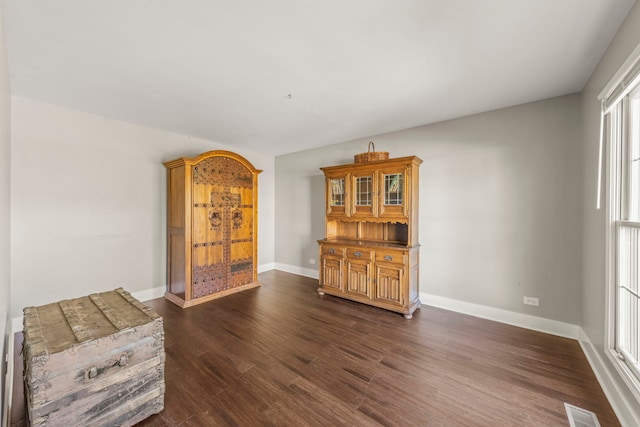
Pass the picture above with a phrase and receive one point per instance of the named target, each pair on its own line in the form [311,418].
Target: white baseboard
[16,325]
[540,324]
[627,415]
[8,386]
[149,294]
[307,272]
[266,267]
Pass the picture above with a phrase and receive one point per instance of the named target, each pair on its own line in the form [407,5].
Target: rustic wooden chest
[93,361]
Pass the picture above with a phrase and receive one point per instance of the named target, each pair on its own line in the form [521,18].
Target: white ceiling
[223,70]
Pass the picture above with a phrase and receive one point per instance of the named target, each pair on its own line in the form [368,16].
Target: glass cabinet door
[364,191]
[393,194]
[337,193]
[393,189]
[364,195]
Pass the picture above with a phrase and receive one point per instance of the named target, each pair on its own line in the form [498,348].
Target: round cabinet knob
[388,258]
[332,251]
[357,254]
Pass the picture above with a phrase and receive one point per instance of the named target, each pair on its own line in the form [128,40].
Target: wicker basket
[371,155]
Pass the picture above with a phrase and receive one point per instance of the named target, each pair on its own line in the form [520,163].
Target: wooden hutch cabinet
[212,227]
[370,252]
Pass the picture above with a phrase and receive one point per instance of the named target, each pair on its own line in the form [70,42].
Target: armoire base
[186,304]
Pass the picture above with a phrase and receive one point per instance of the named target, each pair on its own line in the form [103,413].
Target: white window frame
[616,95]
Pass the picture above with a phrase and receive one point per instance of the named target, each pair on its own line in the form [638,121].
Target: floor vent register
[579,417]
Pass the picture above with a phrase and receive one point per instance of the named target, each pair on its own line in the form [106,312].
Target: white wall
[500,205]
[88,203]
[594,285]
[5,155]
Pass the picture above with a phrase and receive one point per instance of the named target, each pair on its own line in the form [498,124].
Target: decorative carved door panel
[332,272]
[223,242]
[358,277]
[389,284]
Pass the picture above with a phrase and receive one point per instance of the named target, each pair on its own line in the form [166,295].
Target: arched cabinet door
[212,206]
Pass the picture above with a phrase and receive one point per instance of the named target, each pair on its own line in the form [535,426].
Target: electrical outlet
[531,301]
[312,260]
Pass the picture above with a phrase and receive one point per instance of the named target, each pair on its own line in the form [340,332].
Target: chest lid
[55,327]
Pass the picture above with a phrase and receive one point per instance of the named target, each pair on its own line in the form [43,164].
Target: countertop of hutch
[349,242]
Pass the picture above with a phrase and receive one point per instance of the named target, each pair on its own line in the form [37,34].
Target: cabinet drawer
[333,250]
[391,256]
[358,253]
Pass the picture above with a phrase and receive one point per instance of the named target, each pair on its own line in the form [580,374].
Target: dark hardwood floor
[282,355]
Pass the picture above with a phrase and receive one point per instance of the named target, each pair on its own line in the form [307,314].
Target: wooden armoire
[370,252]
[212,227]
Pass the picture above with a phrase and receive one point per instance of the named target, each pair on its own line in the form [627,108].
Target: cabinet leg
[408,316]
[320,292]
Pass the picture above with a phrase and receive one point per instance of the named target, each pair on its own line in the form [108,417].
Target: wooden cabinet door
[359,267]
[392,193]
[358,277]
[241,241]
[363,197]
[338,194]
[207,253]
[389,283]
[222,196]
[331,273]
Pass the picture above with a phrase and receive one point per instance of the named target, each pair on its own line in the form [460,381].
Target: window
[627,327]
[621,135]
